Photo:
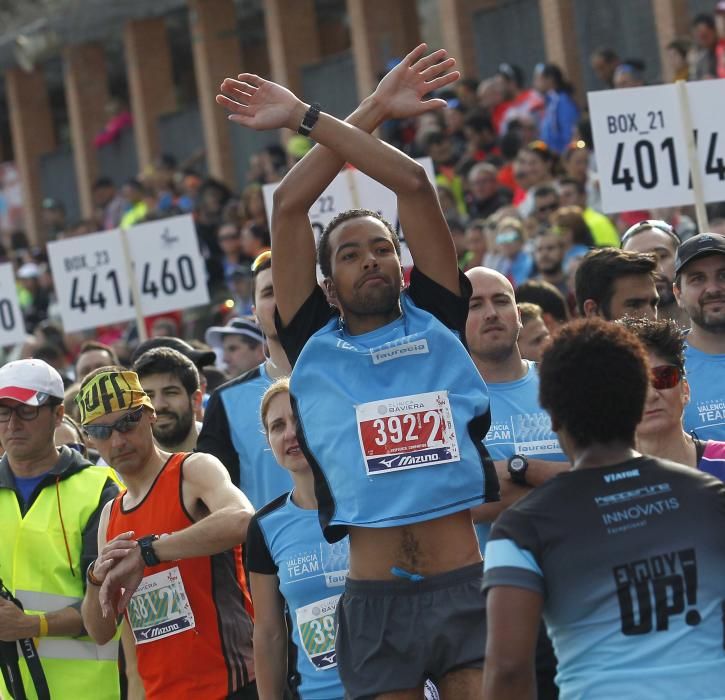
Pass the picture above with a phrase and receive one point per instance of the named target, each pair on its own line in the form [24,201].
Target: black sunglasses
[122,425]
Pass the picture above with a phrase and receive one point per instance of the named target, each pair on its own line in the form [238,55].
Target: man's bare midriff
[427,548]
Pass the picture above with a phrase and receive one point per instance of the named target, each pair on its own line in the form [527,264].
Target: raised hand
[401,92]
[260,104]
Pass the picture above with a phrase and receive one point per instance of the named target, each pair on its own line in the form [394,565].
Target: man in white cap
[241,342]
[51,499]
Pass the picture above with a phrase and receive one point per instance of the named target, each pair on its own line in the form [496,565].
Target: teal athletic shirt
[391,421]
[518,426]
[631,565]
[705,413]
[233,433]
[286,541]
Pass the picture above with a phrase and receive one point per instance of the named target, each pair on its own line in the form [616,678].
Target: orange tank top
[191,619]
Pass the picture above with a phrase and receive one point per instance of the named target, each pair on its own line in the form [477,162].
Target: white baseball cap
[31,382]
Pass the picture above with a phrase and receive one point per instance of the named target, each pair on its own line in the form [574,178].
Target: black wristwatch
[147,550]
[310,119]
[517,467]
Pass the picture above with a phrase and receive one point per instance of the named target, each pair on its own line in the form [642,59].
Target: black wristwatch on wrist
[517,467]
[147,550]
[310,119]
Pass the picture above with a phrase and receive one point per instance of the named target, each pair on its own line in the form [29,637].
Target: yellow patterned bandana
[111,391]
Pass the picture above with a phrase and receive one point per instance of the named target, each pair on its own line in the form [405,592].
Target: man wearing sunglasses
[50,503]
[175,534]
[658,238]
[700,291]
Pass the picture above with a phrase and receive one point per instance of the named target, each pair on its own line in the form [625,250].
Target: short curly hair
[663,337]
[593,381]
[324,252]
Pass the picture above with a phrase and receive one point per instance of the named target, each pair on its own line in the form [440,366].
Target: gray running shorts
[392,635]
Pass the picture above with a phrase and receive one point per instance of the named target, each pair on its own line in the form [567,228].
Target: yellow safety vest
[34,565]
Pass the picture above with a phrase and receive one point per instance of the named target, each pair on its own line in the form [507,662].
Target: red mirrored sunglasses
[665,377]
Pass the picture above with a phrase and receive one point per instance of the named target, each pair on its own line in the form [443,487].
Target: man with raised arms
[391,409]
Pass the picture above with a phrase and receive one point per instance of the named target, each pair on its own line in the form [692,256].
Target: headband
[108,392]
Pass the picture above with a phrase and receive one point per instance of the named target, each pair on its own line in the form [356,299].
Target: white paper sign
[169,268]
[352,189]
[90,281]
[90,274]
[641,149]
[12,326]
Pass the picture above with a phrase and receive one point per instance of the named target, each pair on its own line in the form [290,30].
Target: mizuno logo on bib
[407,432]
[160,608]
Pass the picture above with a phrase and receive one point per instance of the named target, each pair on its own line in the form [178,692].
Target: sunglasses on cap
[122,425]
[647,224]
[262,258]
[665,377]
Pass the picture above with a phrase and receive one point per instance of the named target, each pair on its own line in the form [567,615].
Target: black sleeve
[312,315]
[259,558]
[89,549]
[449,308]
[215,437]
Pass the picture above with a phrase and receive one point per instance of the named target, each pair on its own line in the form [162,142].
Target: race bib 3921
[407,432]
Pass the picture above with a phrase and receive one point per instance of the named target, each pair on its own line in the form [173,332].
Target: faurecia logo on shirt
[618,476]
[394,351]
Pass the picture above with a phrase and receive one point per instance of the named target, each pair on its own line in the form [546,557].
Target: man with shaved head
[525,450]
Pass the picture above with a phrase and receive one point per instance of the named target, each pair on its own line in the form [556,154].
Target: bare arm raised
[260,104]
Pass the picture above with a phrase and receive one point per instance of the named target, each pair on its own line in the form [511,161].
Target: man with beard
[391,410]
[525,450]
[660,239]
[549,259]
[172,383]
[700,290]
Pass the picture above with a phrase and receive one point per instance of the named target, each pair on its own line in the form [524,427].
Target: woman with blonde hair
[291,564]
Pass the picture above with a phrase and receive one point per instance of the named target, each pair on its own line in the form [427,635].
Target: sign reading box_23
[12,325]
[641,150]
[90,281]
[90,277]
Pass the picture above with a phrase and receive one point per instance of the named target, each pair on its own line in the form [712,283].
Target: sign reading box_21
[640,144]
[12,325]
[92,285]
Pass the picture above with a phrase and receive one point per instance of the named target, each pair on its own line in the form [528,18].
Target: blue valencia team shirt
[705,414]
[286,541]
[233,433]
[518,426]
[518,423]
[630,562]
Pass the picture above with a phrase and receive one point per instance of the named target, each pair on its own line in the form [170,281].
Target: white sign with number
[169,268]
[12,326]
[92,285]
[353,189]
[90,281]
[641,149]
